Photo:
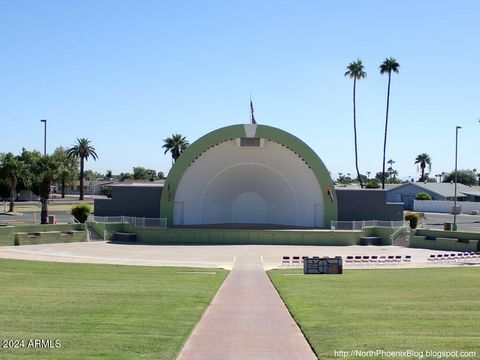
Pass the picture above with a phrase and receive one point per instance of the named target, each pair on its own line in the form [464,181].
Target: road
[465,222]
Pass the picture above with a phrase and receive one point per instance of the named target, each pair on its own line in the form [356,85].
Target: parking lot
[465,222]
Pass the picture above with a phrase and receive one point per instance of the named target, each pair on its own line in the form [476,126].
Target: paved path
[247,320]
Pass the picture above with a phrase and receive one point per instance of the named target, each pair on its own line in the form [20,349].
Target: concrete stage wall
[254,237]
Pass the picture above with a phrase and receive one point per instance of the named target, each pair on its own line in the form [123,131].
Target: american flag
[251,111]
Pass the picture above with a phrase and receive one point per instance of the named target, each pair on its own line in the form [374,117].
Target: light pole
[44,137]
[454,228]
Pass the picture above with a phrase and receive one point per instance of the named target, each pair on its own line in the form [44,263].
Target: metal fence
[150,222]
[135,221]
[360,225]
[112,219]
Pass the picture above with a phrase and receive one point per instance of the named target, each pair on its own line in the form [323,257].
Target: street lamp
[454,228]
[44,137]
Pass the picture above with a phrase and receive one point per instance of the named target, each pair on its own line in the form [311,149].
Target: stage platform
[255,234]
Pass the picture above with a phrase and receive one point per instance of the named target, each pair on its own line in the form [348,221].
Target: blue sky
[127,74]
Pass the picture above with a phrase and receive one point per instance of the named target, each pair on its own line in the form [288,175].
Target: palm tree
[355,70]
[16,173]
[388,66]
[390,168]
[67,169]
[46,170]
[82,150]
[423,160]
[176,145]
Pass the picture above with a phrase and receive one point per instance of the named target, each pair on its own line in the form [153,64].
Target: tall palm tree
[176,145]
[15,172]
[355,70]
[423,160]
[388,66]
[82,150]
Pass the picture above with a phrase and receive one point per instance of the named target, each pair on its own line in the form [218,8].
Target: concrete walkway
[247,320]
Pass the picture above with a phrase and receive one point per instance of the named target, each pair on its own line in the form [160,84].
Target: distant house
[90,187]
[438,191]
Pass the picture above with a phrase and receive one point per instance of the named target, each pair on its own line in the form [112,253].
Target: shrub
[413,218]
[423,196]
[107,191]
[81,212]
[372,184]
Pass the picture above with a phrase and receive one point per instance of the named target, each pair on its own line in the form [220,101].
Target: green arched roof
[238,131]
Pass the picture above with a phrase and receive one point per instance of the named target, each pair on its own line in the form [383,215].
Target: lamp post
[454,228]
[44,137]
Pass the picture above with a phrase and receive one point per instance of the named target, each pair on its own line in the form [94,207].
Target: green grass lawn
[101,311]
[417,309]
[19,207]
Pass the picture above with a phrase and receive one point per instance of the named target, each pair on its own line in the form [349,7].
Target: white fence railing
[135,221]
[445,206]
[112,219]
[360,225]
[150,222]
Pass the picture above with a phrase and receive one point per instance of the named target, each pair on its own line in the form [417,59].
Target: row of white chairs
[458,257]
[294,260]
[382,260]
[355,260]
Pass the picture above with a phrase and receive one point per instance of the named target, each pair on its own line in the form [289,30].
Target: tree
[465,177]
[108,174]
[15,174]
[160,175]
[391,172]
[355,70]
[46,171]
[125,176]
[91,175]
[82,150]
[344,179]
[29,158]
[423,160]
[67,169]
[388,66]
[176,145]
[141,173]
[423,196]
[372,184]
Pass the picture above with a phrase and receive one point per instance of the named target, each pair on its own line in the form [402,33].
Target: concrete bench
[121,236]
[370,240]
